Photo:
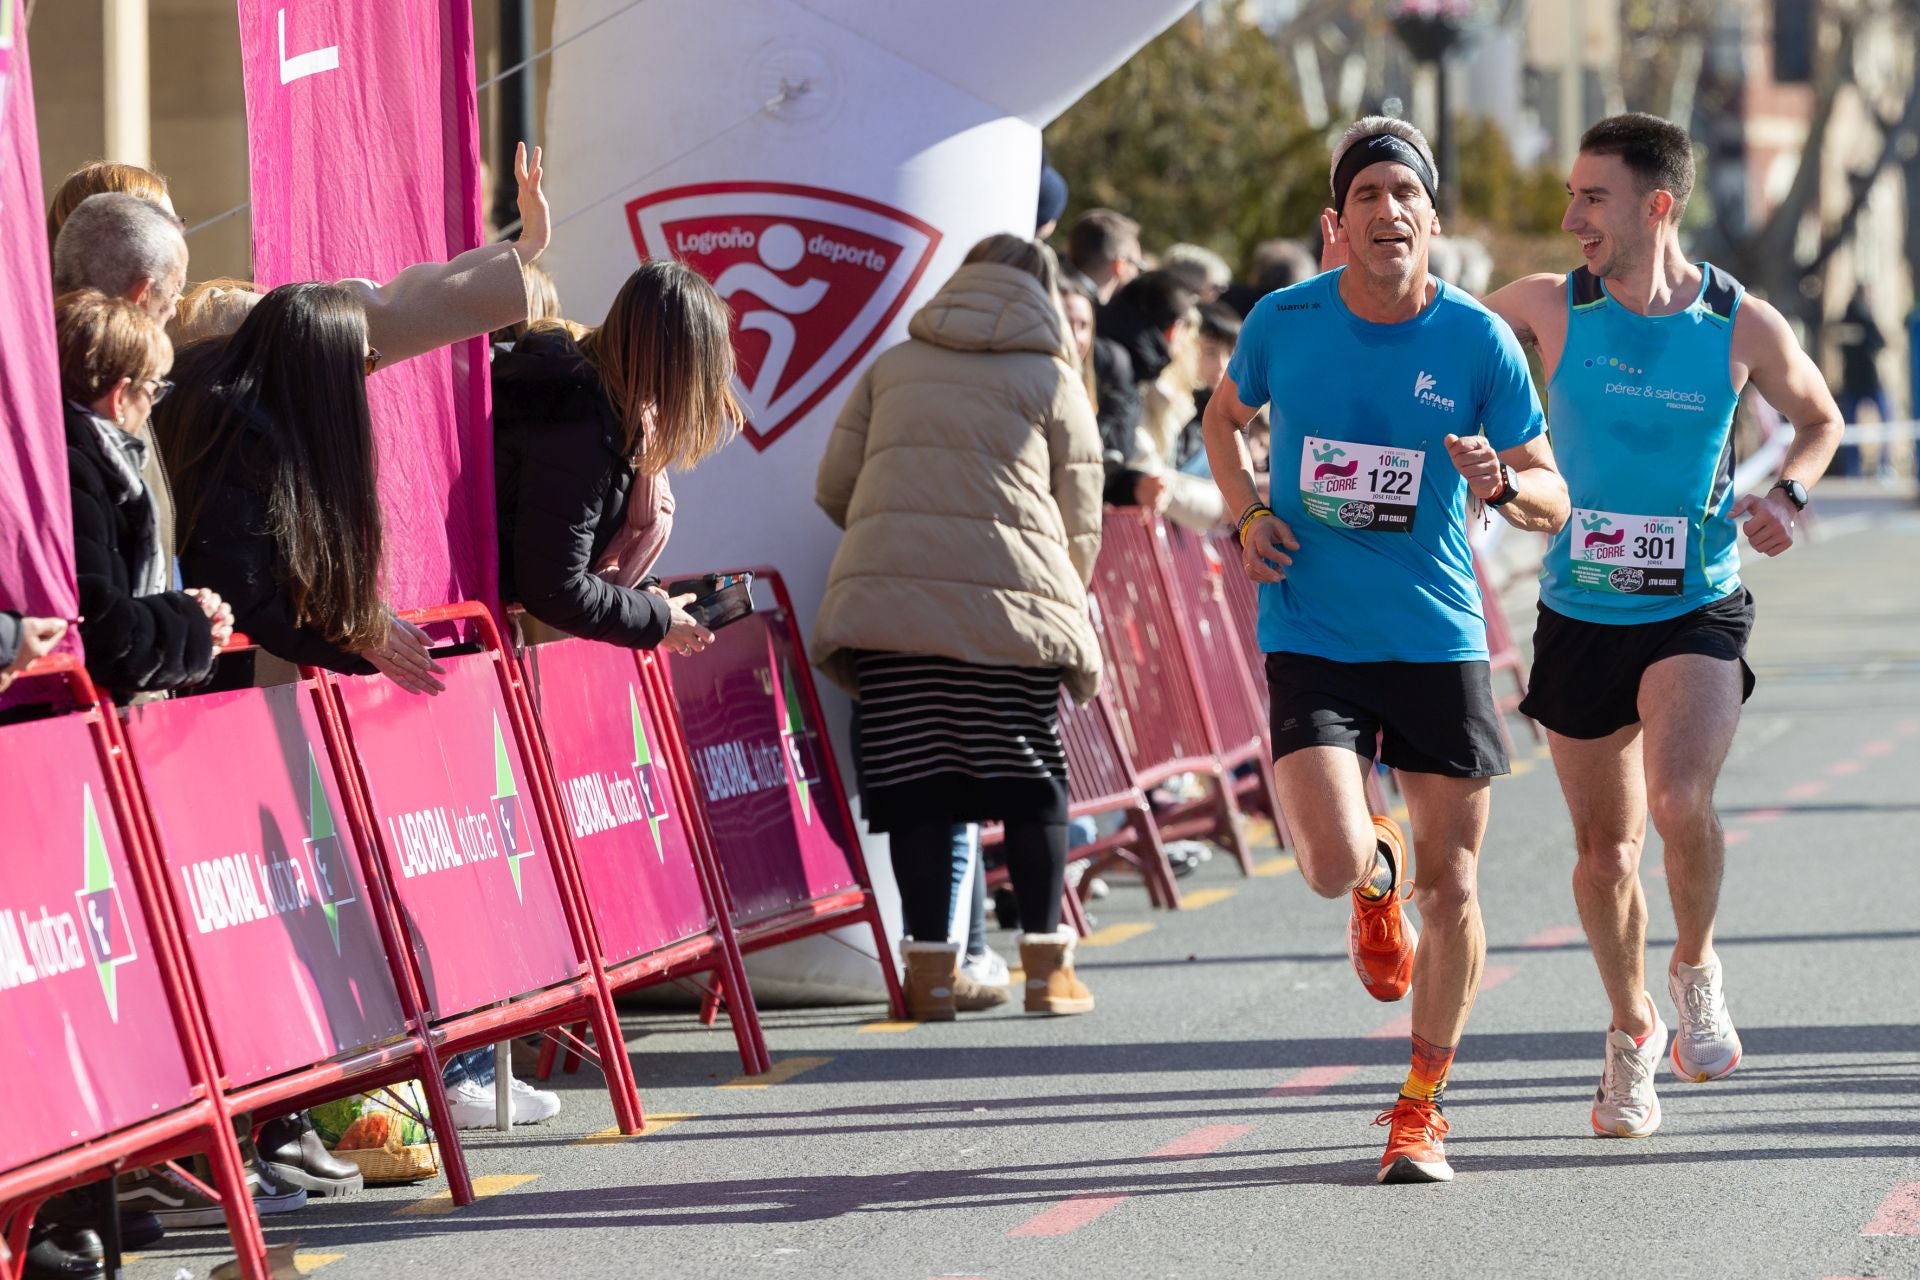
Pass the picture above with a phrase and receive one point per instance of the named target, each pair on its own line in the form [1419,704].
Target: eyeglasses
[373,360]
[157,389]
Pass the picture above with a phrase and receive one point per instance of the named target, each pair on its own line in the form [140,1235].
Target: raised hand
[1477,463]
[536,223]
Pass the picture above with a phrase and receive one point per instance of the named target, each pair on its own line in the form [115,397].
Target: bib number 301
[1360,486]
[1628,555]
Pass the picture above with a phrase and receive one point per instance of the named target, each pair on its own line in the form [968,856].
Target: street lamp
[1430,29]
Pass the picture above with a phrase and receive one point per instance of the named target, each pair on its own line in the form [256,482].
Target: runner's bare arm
[1264,542]
[1765,351]
[1535,308]
[1539,504]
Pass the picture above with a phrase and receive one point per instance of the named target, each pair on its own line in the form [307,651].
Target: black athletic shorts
[1436,717]
[1586,675]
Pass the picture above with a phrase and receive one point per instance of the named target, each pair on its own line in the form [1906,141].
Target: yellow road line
[1114,934]
[1205,898]
[1275,866]
[491,1184]
[887,1028]
[655,1123]
[782,1072]
[308,1263]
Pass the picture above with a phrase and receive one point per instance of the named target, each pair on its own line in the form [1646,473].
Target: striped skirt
[939,740]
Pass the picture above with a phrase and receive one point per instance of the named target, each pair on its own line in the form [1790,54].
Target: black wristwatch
[1796,493]
[1508,490]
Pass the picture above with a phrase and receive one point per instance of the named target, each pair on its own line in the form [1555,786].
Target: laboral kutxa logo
[515,840]
[1423,392]
[331,875]
[653,789]
[813,277]
[39,944]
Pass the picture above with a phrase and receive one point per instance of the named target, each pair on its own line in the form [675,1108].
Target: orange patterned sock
[1427,1077]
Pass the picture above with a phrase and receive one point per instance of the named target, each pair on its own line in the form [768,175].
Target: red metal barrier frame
[831,911]
[583,998]
[203,1126]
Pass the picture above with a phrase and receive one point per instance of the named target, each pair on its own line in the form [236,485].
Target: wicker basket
[394,1164]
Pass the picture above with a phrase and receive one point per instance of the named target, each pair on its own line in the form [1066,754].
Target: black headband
[1374,149]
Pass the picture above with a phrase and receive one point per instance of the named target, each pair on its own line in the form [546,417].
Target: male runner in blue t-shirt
[1393,397]
[1639,664]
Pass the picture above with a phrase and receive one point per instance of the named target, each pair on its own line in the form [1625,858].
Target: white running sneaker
[472,1104]
[989,969]
[1706,1047]
[1624,1106]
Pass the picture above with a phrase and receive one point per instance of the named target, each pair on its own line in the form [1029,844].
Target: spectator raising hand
[24,639]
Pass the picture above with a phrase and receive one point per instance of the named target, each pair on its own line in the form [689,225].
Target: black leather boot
[293,1150]
[57,1252]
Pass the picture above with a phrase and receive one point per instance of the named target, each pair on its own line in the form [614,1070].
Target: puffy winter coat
[966,470]
[562,481]
[135,643]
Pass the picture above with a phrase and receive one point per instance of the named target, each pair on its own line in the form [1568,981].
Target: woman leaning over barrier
[270,446]
[966,470]
[585,426]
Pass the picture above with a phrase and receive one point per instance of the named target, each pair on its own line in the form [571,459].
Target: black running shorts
[1586,675]
[1426,717]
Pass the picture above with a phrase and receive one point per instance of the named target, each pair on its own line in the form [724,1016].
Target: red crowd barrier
[96,984]
[1162,708]
[289,929]
[775,811]
[653,889]
[1503,655]
[475,850]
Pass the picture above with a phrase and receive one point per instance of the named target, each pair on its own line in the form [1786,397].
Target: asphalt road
[1212,1117]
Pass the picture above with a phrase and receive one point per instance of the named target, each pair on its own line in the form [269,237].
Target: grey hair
[1367,127]
[112,241]
[1197,266]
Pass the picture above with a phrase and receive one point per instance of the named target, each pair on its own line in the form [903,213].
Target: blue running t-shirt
[1361,473]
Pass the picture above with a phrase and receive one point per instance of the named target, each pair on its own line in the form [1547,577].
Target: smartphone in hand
[723,597]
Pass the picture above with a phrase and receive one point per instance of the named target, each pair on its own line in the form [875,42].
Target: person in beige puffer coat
[966,471]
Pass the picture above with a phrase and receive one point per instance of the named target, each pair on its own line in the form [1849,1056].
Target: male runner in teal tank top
[1640,652]
[1395,400]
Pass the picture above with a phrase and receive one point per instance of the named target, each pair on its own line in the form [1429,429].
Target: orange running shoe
[1380,939]
[1416,1142]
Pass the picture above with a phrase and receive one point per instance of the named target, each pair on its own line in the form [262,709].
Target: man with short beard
[1382,380]
[1640,653]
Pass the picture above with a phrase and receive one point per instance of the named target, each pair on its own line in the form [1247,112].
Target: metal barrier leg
[243,1222]
[453,1158]
[711,1001]
[571,1063]
[1158,870]
[1074,914]
[1233,824]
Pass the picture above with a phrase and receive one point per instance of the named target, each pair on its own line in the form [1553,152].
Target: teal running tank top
[1640,412]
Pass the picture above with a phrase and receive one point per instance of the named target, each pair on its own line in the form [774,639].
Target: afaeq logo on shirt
[1423,392]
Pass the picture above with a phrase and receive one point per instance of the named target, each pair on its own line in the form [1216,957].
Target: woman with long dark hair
[585,429]
[270,447]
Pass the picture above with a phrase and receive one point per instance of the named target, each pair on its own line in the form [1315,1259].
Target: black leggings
[923,866]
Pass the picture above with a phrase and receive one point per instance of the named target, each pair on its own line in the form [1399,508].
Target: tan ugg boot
[1051,984]
[932,969]
[970,996]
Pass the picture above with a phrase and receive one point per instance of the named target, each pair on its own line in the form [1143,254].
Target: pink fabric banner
[365,156]
[36,518]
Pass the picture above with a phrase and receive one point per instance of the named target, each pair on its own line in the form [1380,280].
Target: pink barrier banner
[91,1044]
[758,758]
[464,850]
[364,148]
[263,869]
[628,825]
[36,519]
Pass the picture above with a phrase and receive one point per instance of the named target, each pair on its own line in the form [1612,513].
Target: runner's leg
[1449,817]
[1606,794]
[1690,704]
[1325,802]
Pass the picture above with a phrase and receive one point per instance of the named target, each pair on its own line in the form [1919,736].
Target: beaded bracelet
[1251,514]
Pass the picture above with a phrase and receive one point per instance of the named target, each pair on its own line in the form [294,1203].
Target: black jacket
[562,480]
[231,549]
[1117,408]
[135,644]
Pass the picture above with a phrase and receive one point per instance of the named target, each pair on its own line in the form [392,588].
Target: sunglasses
[157,389]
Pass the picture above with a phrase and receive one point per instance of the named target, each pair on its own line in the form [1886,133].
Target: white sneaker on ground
[1706,1047]
[472,1104]
[989,969]
[1624,1106]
